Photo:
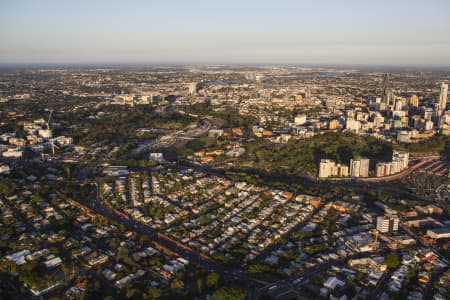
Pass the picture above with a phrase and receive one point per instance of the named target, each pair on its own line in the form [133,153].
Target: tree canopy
[299,157]
[229,293]
[392,260]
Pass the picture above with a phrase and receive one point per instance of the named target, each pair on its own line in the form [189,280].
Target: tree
[131,293]
[259,268]
[9,266]
[123,252]
[200,285]
[144,239]
[7,188]
[153,292]
[392,260]
[212,280]
[229,293]
[97,286]
[177,284]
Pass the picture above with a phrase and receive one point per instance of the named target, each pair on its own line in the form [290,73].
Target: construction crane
[49,119]
[52,148]
[375,243]
[52,145]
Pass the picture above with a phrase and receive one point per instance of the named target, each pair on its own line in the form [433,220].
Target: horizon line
[216,63]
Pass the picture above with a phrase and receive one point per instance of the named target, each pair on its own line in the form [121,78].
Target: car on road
[298,280]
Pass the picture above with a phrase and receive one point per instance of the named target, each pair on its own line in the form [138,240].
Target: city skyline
[224,182]
[407,33]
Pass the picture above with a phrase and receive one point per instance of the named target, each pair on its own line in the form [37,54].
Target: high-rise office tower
[443,98]
[308,93]
[414,101]
[385,84]
[398,104]
[193,87]
[386,89]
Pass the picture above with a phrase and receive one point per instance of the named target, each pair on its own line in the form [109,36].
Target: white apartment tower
[326,168]
[387,224]
[359,167]
[402,157]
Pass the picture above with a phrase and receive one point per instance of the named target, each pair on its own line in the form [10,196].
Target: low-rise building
[439,233]
[4,169]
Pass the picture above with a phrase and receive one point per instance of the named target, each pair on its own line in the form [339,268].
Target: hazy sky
[386,32]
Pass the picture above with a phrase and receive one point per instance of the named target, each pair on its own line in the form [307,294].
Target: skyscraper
[385,84]
[308,93]
[414,101]
[386,89]
[443,98]
[193,87]
[398,104]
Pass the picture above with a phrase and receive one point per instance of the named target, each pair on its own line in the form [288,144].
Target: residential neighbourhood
[245,183]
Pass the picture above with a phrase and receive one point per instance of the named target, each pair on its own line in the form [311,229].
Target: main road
[190,132]
[211,265]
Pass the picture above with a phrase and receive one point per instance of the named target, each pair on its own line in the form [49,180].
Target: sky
[310,32]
